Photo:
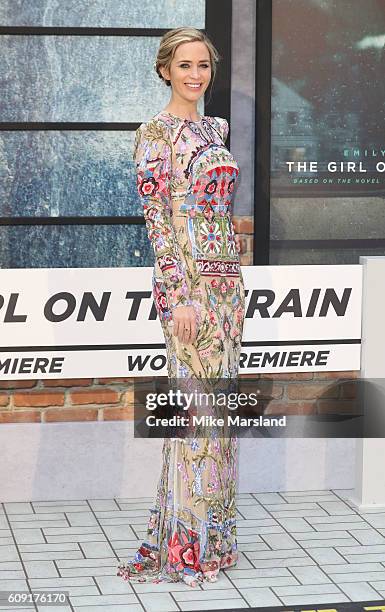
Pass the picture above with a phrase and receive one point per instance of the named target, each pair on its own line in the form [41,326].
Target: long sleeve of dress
[152,156]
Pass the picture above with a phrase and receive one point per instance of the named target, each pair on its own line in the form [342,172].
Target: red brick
[349,390]
[121,379]
[67,382]
[336,375]
[17,384]
[71,414]
[312,391]
[39,398]
[291,408]
[125,413]
[346,406]
[244,225]
[246,259]
[94,396]
[20,416]
[289,376]
[4,399]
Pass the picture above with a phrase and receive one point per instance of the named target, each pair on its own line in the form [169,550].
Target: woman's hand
[184,323]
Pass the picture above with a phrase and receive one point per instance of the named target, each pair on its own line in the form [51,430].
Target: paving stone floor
[296,547]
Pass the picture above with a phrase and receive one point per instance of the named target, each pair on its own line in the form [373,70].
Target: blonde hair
[172,39]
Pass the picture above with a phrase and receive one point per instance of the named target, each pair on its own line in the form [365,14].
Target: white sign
[102,322]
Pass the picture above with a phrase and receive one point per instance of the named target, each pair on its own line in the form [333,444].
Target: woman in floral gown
[186,178]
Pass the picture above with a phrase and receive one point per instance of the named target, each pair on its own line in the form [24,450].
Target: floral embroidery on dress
[186,179]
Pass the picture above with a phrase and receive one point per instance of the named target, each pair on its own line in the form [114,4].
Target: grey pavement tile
[300,498]
[260,530]
[368,558]
[268,498]
[243,562]
[337,542]
[259,597]
[11,565]
[52,555]
[303,507]
[310,575]
[254,512]
[248,538]
[88,571]
[248,501]
[359,591]
[307,589]
[104,600]
[40,569]
[296,525]
[336,507]
[81,519]
[119,532]
[345,526]
[264,522]
[223,582]
[12,584]
[80,530]
[106,561]
[103,504]
[357,576]
[60,583]
[326,555]
[317,511]
[161,587]
[137,500]
[110,585]
[38,524]
[198,595]
[242,583]
[132,513]
[375,519]
[331,520]
[280,541]
[288,553]
[295,600]
[320,535]
[220,604]
[35,517]
[9,574]
[104,608]
[63,507]
[368,536]
[8,552]
[309,493]
[270,572]
[87,537]
[361,550]
[162,602]
[97,550]
[24,548]
[349,568]
[18,508]
[379,585]
[292,562]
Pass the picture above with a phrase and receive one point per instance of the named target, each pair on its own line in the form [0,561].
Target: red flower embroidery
[148,186]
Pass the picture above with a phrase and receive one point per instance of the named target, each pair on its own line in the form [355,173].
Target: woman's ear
[165,73]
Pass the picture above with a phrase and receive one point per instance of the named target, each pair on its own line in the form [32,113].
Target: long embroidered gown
[185,178]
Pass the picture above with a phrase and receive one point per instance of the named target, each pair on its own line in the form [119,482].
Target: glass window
[328,105]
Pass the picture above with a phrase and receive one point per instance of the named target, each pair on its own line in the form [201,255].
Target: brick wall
[107,399]
[110,399]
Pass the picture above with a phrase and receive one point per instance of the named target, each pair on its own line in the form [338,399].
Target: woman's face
[190,66]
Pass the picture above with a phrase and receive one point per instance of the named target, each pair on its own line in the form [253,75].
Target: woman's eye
[186,66]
